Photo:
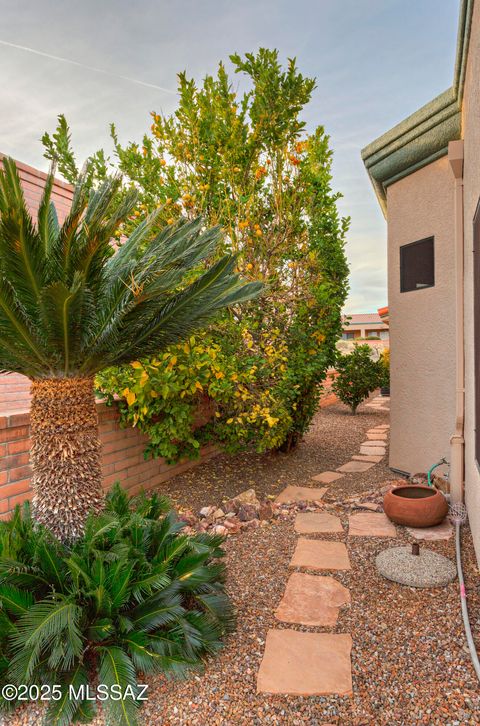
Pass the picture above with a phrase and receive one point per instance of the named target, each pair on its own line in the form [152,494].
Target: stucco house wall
[421,196]
[471,178]
[422,322]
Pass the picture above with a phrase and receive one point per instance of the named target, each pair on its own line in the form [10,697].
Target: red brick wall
[122,458]
[33,182]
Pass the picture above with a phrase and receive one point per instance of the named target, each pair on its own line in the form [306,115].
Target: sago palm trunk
[65,454]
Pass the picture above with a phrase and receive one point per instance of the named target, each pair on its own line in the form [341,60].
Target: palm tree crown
[70,305]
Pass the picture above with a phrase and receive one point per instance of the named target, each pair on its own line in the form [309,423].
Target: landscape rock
[188,517]
[266,511]
[247,512]
[206,511]
[247,497]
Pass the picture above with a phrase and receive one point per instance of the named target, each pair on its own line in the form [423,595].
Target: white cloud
[373,62]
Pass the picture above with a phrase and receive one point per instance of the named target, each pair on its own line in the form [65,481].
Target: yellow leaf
[230,420]
[136,364]
[143,378]
[198,386]
[130,397]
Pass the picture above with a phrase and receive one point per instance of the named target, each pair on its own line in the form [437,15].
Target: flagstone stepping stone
[306,664]
[312,600]
[441,531]
[317,523]
[374,459]
[327,477]
[370,524]
[373,442]
[300,494]
[355,466]
[381,431]
[316,554]
[374,450]
[376,436]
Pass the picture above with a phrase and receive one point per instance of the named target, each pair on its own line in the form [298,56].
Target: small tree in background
[358,376]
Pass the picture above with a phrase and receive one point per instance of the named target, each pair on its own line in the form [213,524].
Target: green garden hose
[443,461]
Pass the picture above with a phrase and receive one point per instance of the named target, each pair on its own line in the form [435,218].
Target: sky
[375,61]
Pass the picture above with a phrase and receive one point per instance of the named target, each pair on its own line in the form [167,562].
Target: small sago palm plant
[70,306]
[134,595]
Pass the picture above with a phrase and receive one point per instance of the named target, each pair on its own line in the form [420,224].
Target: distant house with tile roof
[365,326]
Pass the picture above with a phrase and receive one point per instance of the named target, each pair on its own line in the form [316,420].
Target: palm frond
[116,669]
[70,304]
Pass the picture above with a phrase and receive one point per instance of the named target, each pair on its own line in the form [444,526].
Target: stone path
[312,663]
[300,494]
[312,600]
[317,523]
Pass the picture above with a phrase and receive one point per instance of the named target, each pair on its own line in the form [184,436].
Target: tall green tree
[70,306]
[246,162]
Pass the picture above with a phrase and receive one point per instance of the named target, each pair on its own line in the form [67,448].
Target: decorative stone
[327,477]
[370,524]
[249,496]
[373,443]
[317,523]
[206,511]
[372,450]
[306,664]
[355,466]
[218,513]
[312,600]
[247,512]
[428,569]
[300,494]
[441,531]
[376,436]
[369,505]
[266,511]
[316,554]
[368,457]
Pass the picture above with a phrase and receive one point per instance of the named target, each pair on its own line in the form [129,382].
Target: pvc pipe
[457,441]
[463,600]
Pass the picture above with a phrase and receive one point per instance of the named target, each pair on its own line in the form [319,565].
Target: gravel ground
[410,664]
[333,437]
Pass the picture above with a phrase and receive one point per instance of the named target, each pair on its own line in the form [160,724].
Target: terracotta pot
[415,505]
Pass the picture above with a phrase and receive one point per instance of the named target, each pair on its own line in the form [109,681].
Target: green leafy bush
[358,375]
[385,362]
[133,595]
[246,162]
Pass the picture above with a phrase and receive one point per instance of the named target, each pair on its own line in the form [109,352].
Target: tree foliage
[358,375]
[246,162]
[70,305]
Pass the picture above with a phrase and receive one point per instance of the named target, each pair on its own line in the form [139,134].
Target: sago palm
[134,595]
[70,305]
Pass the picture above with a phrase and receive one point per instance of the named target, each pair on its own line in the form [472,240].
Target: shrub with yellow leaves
[249,165]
